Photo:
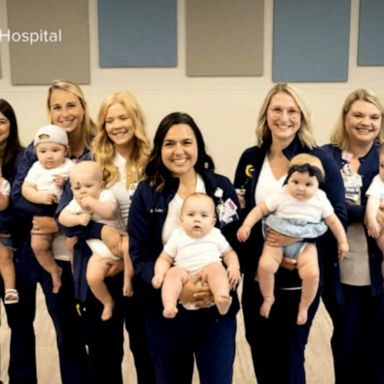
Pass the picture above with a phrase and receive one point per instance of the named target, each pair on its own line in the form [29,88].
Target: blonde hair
[86,167]
[263,133]
[88,127]
[104,149]
[339,137]
[306,158]
[200,195]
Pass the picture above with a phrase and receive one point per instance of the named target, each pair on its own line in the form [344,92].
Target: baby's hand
[84,219]
[234,276]
[373,228]
[48,198]
[86,202]
[243,233]
[343,249]
[59,180]
[157,280]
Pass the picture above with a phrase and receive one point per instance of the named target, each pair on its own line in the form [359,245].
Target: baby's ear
[214,221]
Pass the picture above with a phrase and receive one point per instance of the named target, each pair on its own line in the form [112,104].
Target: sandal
[11,296]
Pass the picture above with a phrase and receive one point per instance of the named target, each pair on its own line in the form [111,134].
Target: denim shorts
[6,241]
[295,227]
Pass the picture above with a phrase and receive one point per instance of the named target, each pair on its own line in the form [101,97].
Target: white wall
[225,108]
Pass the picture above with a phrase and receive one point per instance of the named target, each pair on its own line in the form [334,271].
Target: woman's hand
[196,291]
[115,267]
[44,225]
[113,238]
[276,239]
[288,263]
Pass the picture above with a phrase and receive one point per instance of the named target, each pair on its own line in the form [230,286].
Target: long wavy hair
[156,173]
[12,146]
[339,136]
[103,148]
[88,127]
[305,135]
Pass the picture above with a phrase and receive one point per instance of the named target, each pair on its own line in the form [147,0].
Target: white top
[172,220]
[123,196]
[267,183]
[97,246]
[376,188]
[43,178]
[106,196]
[193,254]
[312,210]
[5,188]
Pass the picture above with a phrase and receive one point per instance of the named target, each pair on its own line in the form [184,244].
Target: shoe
[11,296]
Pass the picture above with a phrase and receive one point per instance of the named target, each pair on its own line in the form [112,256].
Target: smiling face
[179,150]
[119,125]
[66,110]
[4,128]
[50,155]
[283,117]
[302,186]
[198,215]
[362,123]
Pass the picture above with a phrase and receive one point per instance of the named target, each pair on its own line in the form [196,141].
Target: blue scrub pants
[277,343]
[201,334]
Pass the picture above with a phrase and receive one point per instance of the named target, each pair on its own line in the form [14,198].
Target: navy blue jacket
[147,215]
[247,175]
[8,222]
[369,167]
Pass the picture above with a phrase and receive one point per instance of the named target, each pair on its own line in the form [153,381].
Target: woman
[67,108]
[10,154]
[178,166]
[358,310]
[283,130]
[121,147]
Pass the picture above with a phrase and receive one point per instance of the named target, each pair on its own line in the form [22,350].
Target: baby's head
[86,178]
[381,162]
[51,146]
[198,215]
[305,174]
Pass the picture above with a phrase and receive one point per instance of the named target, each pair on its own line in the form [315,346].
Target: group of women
[149,182]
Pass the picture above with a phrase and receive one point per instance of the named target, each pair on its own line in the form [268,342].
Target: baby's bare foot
[266,307]
[170,311]
[56,279]
[223,303]
[107,311]
[302,316]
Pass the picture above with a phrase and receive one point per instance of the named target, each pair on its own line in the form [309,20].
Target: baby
[301,210]
[375,194]
[197,247]
[44,185]
[91,201]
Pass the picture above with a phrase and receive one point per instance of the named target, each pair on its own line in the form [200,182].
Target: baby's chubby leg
[217,278]
[97,270]
[269,263]
[171,289]
[41,245]
[308,268]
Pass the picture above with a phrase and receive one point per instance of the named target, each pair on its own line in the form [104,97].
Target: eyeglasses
[291,112]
